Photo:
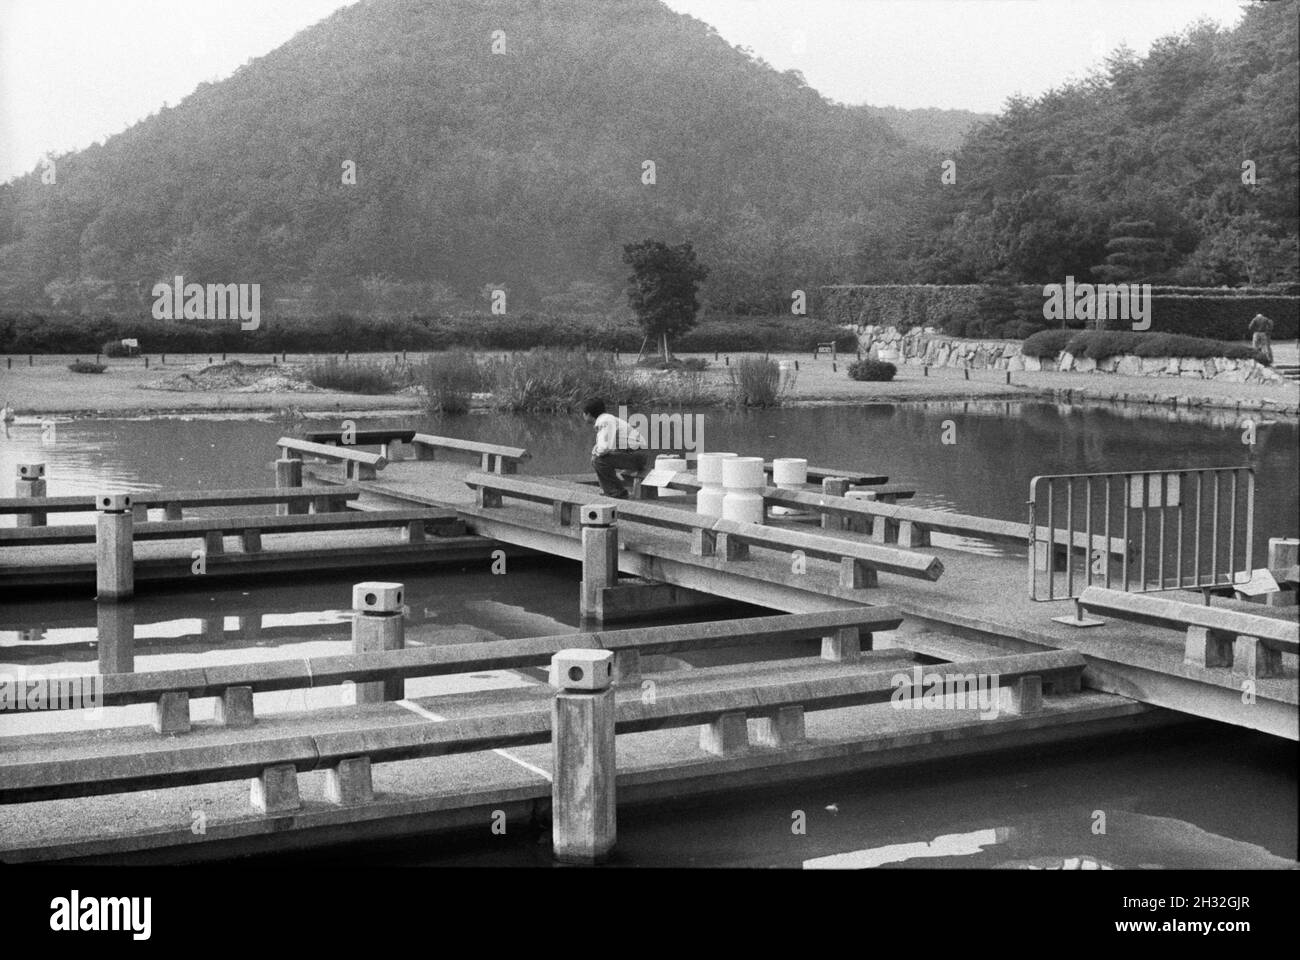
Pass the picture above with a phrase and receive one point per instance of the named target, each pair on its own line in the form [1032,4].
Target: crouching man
[618,447]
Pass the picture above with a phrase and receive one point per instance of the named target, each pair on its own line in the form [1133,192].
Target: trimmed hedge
[1046,345]
[1100,344]
[1214,312]
[875,370]
[36,333]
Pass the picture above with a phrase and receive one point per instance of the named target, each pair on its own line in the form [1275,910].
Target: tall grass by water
[358,376]
[759,382]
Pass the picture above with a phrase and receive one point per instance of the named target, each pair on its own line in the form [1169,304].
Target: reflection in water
[1055,842]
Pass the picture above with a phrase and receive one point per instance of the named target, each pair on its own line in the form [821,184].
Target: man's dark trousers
[608,464]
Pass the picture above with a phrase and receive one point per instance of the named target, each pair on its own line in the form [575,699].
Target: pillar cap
[377,596]
[598,514]
[584,670]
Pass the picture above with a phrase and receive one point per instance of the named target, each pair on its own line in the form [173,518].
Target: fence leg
[1282,555]
[30,484]
[1024,696]
[844,644]
[726,736]
[377,625]
[913,534]
[1251,658]
[171,713]
[235,707]
[856,575]
[114,554]
[288,473]
[275,790]
[584,823]
[349,782]
[781,729]
[1208,648]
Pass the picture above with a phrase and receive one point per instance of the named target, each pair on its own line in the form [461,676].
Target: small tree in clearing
[663,288]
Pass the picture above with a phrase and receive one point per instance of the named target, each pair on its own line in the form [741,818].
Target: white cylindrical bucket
[790,473]
[708,500]
[744,505]
[709,469]
[743,473]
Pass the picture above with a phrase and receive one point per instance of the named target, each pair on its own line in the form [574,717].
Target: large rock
[1033,364]
[1235,375]
[1066,362]
[1016,362]
[1172,367]
[1129,366]
[1191,367]
[1084,364]
[1153,365]
[941,358]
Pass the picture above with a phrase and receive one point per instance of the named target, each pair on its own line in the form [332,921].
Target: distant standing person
[618,447]
[1261,328]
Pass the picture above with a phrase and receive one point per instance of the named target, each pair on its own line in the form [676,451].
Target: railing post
[288,473]
[1282,554]
[377,625]
[599,557]
[114,555]
[30,483]
[584,824]
[115,636]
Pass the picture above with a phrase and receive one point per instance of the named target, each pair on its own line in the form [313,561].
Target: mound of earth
[236,377]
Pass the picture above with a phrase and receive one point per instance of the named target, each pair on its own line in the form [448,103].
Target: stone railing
[929,347]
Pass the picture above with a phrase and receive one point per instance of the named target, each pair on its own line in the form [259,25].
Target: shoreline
[49,389]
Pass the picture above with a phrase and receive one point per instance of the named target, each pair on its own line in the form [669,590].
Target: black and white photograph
[747,453]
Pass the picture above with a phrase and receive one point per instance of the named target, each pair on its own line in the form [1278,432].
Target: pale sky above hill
[73,72]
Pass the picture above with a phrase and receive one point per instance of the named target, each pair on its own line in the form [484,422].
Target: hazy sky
[75,71]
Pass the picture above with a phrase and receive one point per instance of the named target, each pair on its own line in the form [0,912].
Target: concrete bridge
[865,590]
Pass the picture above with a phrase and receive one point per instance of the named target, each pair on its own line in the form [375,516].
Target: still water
[1174,800]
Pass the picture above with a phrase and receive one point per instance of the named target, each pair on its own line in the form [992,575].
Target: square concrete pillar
[251,541]
[235,707]
[414,532]
[726,736]
[856,575]
[1251,658]
[703,543]
[275,790]
[912,534]
[783,728]
[214,543]
[884,530]
[627,668]
[729,548]
[349,782]
[845,644]
[1208,648]
[171,713]
[1023,697]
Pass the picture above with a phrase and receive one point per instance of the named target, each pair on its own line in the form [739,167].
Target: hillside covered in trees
[517,160]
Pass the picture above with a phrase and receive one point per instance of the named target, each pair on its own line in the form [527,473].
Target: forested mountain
[1188,157]
[524,170]
[930,127]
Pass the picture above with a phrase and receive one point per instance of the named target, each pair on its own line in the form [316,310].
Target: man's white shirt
[615,434]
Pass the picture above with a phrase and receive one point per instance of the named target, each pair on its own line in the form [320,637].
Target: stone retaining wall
[929,347]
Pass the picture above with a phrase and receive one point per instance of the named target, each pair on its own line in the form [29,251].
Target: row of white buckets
[731,486]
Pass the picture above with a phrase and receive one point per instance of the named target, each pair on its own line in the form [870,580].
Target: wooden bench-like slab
[173,501]
[727,539]
[357,464]
[122,760]
[1250,645]
[212,529]
[494,458]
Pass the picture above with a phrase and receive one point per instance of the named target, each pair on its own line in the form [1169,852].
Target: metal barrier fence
[1140,531]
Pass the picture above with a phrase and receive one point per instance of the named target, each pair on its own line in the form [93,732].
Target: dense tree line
[516,161]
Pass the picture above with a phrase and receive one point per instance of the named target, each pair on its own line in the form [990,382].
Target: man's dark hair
[594,407]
